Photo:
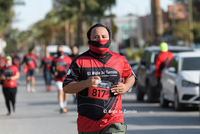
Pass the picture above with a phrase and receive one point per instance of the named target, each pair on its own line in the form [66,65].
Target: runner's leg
[65,97]
[45,78]
[7,98]
[60,97]
[28,78]
[13,93]
[32,80]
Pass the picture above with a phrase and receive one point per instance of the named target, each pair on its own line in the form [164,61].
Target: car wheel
[140,94]
[163,101]
[177,105]
[150,97]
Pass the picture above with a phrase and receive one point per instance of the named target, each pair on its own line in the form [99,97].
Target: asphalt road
[38,113]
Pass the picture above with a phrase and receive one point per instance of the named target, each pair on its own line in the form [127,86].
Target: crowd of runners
[11,66]
[97,78]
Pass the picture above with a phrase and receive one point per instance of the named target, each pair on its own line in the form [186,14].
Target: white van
[52,49]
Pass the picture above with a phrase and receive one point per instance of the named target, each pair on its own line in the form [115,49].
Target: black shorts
[30,72]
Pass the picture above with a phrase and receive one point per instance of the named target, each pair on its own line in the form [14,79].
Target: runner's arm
[16,76]
[75,87]
[23,61]
[41,64]
[52,67]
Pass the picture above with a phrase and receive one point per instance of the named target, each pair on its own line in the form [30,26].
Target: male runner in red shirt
[99,77]
[162,60]
[59,68]
[30,61]
[46,63]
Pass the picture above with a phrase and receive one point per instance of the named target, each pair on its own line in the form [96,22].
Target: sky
[35,10]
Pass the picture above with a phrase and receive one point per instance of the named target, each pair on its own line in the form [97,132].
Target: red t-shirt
[30,60]
[46,63]
[98,107]
[2,62]
[160,59]
[16,61]
[8,72]
[61,64]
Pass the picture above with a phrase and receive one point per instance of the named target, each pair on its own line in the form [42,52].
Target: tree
[86,11]
[196,32]
[6,13]
[158,22]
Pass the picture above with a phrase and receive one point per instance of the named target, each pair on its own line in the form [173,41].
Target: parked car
[180,81]
[147,82]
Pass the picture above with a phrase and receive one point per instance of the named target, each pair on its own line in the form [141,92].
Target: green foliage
[12,39]
[6,12]
[132,54]
[196,32]
[181,30]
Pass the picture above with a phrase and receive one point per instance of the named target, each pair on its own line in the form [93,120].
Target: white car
[180,81]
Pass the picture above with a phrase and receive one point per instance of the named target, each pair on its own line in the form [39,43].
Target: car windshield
[190,63]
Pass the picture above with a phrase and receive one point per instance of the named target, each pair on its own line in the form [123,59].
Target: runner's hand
[37,70]
[91,82]
[3,77]
[120,88]
[56,73]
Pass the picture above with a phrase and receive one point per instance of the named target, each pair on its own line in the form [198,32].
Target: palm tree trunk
[158,21]
[81,24]
[67,41]
[72,36]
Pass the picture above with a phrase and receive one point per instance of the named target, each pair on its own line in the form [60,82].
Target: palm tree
[85,11]
[158,22]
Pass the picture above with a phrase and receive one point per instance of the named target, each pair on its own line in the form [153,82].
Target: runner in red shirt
[2,61]
[161,57]
[162,60]
[99,77]
[59,68]
[46,63]
[16,61]
[30,63]
[9,74]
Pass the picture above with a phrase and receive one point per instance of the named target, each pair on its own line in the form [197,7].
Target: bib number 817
[99,93]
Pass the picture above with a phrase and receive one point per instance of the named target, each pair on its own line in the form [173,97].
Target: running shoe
[50,88]
[63,110]
[33,90]
[8,114]
[28,88]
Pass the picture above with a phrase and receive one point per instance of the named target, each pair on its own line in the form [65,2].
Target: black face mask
[59,53]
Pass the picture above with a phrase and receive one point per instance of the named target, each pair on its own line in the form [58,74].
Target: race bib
[102,91]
